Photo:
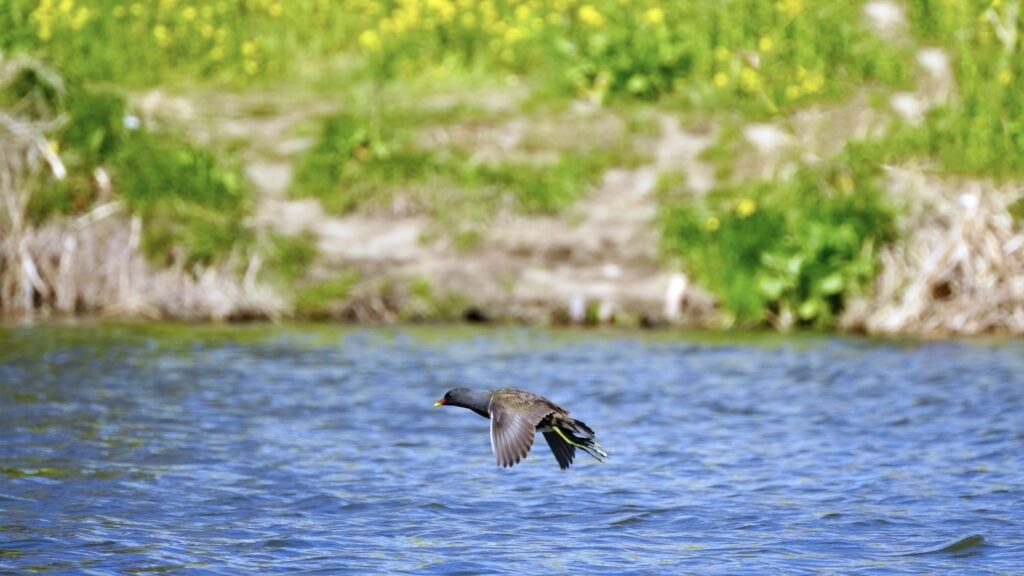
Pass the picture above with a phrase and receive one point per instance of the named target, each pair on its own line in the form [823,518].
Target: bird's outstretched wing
[514,418]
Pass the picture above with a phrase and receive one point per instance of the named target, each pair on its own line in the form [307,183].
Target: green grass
[315,300]
[356,165]
[982,130]
[803,245]
[750,54]
[289,257]
[424,303]
[140,43]
[192,200]
[188,197]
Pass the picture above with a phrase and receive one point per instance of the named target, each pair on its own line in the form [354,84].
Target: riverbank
[768,189]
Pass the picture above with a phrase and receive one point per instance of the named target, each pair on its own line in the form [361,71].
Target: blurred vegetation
[354,165]
[794,249]
[749,54]
[192,201]
[799,246]
[314,301]
[982,130]
[290,256]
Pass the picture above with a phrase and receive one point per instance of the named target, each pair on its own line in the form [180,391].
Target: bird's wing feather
[514,418]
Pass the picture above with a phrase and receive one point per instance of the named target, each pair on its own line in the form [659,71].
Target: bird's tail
[579,435]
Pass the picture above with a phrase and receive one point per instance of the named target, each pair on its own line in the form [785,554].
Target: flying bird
[517,415]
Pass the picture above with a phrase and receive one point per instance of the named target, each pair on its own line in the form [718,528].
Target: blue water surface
[316,450]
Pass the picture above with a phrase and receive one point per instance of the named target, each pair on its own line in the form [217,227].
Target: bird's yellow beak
[439,403]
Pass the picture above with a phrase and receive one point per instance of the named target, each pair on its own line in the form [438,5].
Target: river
[316,450]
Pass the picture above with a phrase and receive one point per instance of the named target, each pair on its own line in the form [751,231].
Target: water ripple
[316,451]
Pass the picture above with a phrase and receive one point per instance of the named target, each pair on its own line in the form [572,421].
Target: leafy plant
[769,249]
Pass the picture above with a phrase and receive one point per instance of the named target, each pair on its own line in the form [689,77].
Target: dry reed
[960,270]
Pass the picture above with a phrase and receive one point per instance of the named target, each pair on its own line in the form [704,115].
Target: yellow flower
[712,223]
[654,16]
[793,92]
[746,207]
[790,7]
[251,67]
[721,80]
[590,16]
[370,41]
[275,10]
[248,48]
[813,83]
[722,53]
[443,8]
[217,53]
[66,6]
[765,44]
[189,14]
[80,18]
[207,30]
[1004,77]
[750,80]
[136,9]
[162,35]
[513,35]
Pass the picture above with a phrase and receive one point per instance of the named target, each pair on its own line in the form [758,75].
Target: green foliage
[346,166]
[95,130]
[191,201]
[424,303]
[288,257]
[752,54]
[353,165]
[315,300]
[187,197]
[982,129]
[144,42]
[803,245]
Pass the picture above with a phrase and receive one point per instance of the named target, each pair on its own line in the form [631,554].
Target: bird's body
[517,415]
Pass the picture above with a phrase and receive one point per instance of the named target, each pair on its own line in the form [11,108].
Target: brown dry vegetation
[961,268]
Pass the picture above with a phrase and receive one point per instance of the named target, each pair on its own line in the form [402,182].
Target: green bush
[192,202]
[803,245]
[187,197]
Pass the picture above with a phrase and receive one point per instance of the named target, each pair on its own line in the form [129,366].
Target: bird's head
[453,397]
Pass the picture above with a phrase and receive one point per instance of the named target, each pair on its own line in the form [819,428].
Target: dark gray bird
[516,415]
